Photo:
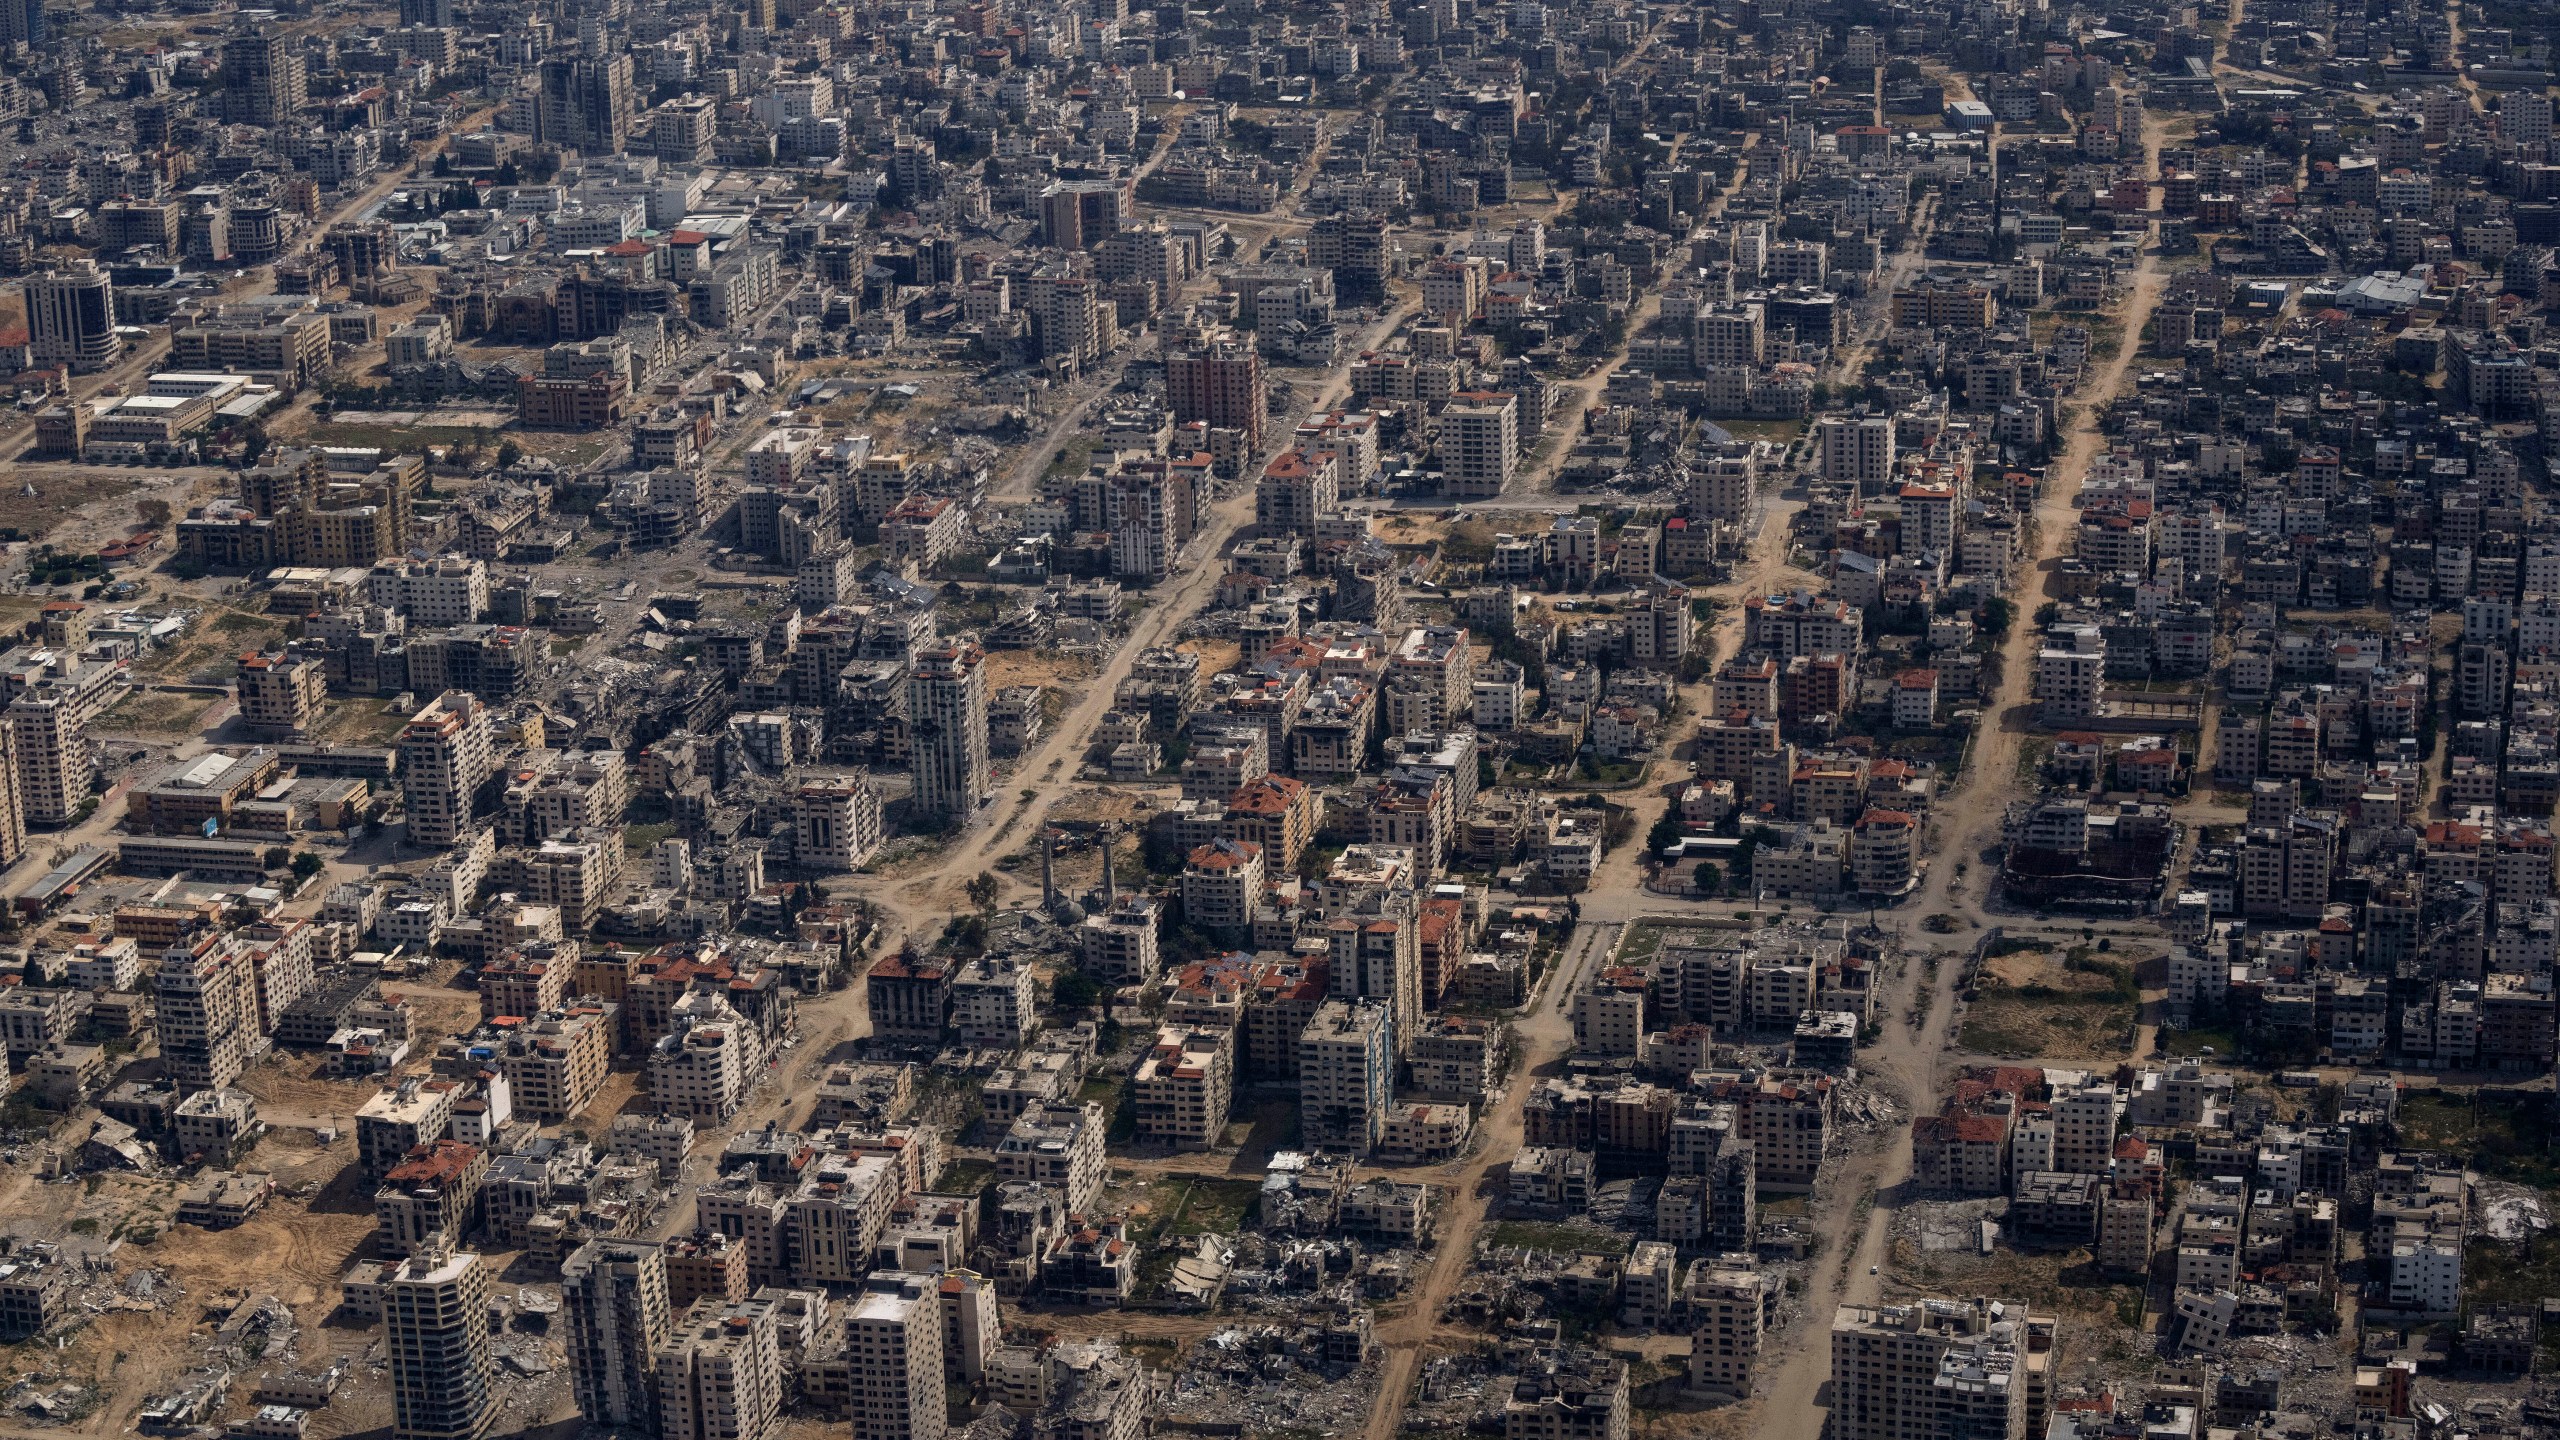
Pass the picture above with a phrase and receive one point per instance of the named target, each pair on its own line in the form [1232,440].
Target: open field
[64,490]
[360,721]
[2502,1138]
[965,1177]
[2094,1311]
[1044,668]
[210,651]
[1217,657]
[2034,1004]
[399,439]
[2496,1272]
[1179,1206]
[157,715]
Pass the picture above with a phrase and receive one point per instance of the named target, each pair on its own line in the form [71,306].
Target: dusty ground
[622,1091]
[2094,1312]
[1044,668]
[1093,806]
[1217,657]
[66,491]
[440,1009]
[2033,1004]
[361,721]
[291,1092]
[157,715]
[296,1250]
[1411,527]
[210,650]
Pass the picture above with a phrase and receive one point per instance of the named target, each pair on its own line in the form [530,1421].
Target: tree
[306,865]
[1665,833]
[508,454]
[1709,877]
[982,890]
[1742,855]
[1075,990]
[1997,616]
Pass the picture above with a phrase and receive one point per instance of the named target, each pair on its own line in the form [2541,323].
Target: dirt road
[1546,1038]
[913,903]
[1855,1217]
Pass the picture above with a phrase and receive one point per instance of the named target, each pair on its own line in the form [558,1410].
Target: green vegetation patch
[362,722]
[2500,1135]
[965,1177]
[2499,1272]
[1214,1207]
[398,439]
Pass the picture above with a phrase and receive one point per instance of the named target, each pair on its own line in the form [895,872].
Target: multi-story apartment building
[1119,945]
[613,1296]
[447,757]
[1183,1087]
[2084,1129]
[836,824]
[947,713]
[399,1120]
[206,991]
[1728,1305]
[894,1337]
[1480,444]
[71,315]
[994,1001]
[555,1061]
[1857,450]
[720,1374]
[1298,487]
[1221,384]
[1222,885]
[1930,1370]
[280,694]
[435,1323]
[53,705]
[1802,623]
[1346,1075]
[1060,1145]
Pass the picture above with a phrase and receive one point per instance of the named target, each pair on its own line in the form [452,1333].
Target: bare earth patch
[2035,1004]
[1044,668]
[157,715]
